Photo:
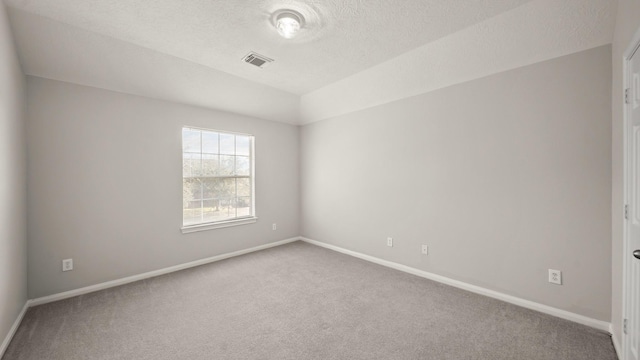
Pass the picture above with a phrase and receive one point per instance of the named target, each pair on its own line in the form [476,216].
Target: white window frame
[229,222]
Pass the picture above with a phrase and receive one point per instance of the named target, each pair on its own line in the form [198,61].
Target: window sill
[218,225]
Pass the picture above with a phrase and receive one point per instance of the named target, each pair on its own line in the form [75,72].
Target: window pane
[209,142]
[191,165]
[226,209]
[191,191]
[243,187]
[228,188]
[242,165]
[218,189]
[210,188]
[216,210]
[209,210]
[190,140]
[227,165]
[243,206]
[243,145]
[186,166]
[210,164]
[227,144]
[192,213]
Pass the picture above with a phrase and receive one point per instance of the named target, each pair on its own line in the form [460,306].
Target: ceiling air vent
[256,59]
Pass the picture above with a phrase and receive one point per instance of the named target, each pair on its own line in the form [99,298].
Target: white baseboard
[14,328]
[614,340]
[150,274]
[581,319]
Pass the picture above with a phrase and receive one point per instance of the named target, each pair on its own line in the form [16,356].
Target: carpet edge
[532,305]
[129,279]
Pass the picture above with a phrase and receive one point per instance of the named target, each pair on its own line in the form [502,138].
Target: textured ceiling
[342,37]
[353,54]
[54,50]
[534,32]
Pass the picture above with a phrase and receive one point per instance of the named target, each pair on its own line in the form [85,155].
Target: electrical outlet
[67,264]
[425,250]
[555,276]
[274,226]
[390,242]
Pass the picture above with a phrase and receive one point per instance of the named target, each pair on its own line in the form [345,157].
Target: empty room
[304,179]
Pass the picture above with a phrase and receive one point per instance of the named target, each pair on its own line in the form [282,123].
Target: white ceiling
[341,37]
[537,31]
[190,51]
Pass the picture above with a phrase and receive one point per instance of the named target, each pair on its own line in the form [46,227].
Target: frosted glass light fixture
[288,23]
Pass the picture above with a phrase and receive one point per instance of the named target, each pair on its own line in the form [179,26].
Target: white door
[632,249]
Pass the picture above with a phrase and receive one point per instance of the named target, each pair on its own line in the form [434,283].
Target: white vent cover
[256,59]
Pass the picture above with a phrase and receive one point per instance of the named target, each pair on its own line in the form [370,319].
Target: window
[217,179]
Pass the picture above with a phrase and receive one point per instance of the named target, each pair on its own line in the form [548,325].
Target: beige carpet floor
[297,301]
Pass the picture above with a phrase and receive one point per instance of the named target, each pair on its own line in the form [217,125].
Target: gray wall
[105,185]
[503,177]
[627,23]
[13,240]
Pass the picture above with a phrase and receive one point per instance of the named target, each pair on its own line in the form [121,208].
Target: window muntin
[217,177]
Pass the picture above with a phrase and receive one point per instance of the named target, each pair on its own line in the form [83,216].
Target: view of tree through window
[217,179]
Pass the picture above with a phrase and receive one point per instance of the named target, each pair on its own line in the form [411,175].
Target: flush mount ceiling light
[288,23]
